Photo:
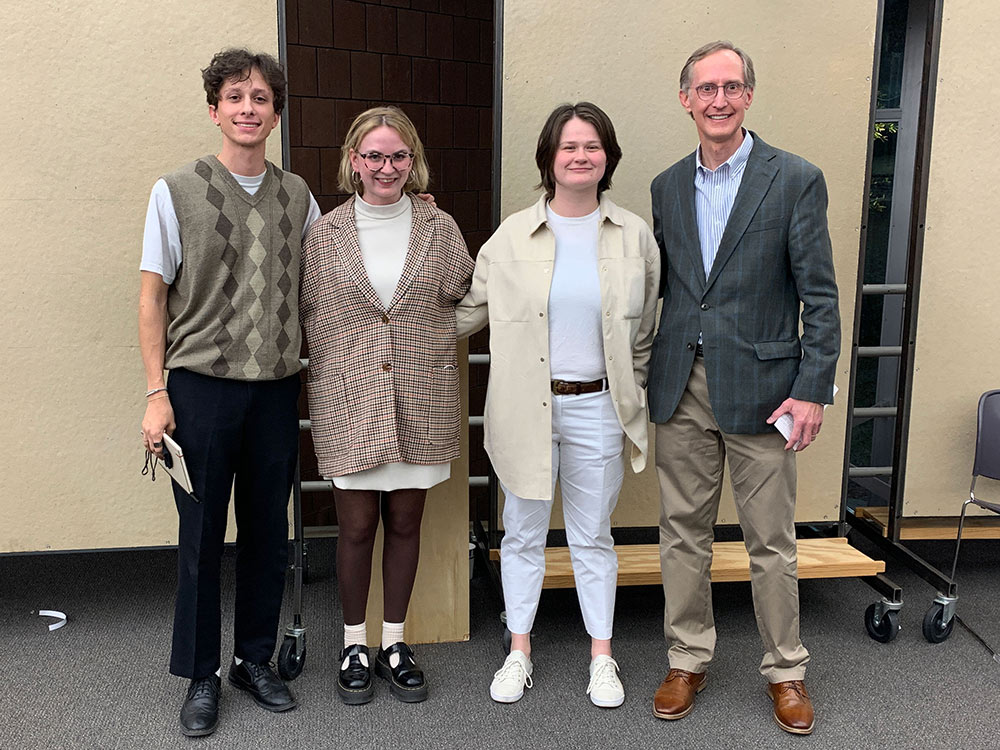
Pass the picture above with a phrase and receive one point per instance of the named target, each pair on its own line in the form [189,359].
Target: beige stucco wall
[956,355]
[813,66]
[105,98]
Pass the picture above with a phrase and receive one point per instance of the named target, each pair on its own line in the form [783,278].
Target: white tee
[576,338]
[161,237]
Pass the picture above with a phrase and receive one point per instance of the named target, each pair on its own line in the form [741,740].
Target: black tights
[357,516]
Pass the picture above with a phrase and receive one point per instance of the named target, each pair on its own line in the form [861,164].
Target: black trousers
[247,431]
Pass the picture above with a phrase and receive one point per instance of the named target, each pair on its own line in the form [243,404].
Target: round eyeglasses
[731,90]
[399,160]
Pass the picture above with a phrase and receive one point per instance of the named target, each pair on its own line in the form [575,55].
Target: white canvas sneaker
[511,679]
[605,689]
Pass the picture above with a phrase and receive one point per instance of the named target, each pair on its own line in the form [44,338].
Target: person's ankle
[524,649]
[598,647]
[521,643]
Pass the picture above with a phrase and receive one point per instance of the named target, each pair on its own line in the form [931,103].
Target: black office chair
[940,619]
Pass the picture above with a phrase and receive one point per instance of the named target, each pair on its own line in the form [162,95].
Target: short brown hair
[366,122]
[240,64]
[712,47]
[548,143]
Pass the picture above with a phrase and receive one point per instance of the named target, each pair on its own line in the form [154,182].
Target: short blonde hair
[366,122]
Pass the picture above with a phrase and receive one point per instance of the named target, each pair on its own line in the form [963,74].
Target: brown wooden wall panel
[433,59]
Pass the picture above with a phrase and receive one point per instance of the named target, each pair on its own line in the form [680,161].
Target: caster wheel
[887,628]
[935,629]
[290,658]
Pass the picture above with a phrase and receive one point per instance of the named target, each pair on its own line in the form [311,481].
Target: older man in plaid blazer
[745,250]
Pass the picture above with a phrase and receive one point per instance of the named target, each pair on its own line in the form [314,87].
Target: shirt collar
[609,212]
[736,162]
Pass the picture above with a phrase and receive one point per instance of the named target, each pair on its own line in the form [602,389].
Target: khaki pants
[690,455]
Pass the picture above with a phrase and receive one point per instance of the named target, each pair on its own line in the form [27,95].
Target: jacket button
[385,318]
[690,347]
[541,315]
[386,366]
[541,359]
[544,403]
[705,306]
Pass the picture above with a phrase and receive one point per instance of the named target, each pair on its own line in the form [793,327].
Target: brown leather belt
[568,388]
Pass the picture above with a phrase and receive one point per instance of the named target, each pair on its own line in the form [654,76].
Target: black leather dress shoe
[354,684]
[263,684]
[406,680]
[200,712]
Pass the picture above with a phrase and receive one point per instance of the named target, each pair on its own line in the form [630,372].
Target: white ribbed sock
[355,635]
[392,632]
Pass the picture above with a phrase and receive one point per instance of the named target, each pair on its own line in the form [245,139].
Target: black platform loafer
[406,680]
[200,712]
[354,684]
[263,684]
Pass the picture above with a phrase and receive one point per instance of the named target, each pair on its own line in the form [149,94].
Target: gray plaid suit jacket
[774,262]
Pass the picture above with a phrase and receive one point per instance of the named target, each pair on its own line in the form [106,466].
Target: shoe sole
[199,732]
[685,712]
[792,730]
[400,692]
[506,698]
[266,706]
[355,697]
[607,704]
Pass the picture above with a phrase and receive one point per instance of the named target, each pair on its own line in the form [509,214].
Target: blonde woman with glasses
[381,274]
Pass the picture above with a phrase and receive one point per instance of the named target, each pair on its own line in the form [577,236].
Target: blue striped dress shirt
[714,194]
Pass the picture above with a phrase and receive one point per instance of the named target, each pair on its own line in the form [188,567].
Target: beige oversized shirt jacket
[510,291]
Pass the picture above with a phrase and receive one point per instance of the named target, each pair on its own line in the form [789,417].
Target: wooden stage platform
[932,527]
[639,564]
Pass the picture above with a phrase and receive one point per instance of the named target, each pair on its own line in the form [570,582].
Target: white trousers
[587,446]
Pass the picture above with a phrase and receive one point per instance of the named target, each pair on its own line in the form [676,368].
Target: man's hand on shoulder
[807,417]
[159,418]
[428,198]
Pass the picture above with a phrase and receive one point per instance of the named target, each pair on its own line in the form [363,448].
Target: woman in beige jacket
[381,274]
[569,289]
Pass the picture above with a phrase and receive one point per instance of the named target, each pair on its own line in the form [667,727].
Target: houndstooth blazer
[382,382]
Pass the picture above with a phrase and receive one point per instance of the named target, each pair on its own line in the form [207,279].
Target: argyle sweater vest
[233,306]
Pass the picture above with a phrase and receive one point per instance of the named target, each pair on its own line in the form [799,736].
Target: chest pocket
[624,281]
[518,290]
[772,224]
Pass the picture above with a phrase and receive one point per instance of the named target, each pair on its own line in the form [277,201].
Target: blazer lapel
[421,234]
[345,239]
[757,178]
[689,218]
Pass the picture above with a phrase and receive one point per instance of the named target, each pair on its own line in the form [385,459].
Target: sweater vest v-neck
[233,307]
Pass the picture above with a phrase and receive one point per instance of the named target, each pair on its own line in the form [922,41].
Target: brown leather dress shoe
[792,708]
[674,698]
